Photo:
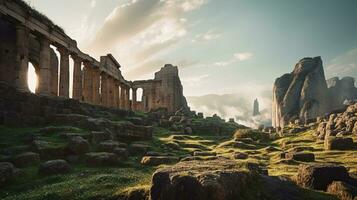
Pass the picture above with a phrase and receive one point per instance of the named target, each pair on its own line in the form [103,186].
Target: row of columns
[89,85]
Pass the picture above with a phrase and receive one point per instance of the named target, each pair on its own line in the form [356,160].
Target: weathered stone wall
[171,90]
[304,94]
[165,91]
[25,109]
[7,51]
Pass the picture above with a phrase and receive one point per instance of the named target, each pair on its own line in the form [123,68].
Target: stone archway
[32,78]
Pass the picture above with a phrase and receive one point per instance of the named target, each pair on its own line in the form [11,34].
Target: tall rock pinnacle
[256,108]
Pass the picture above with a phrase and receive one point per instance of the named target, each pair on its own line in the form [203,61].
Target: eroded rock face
[300,94]
[318,177]
[341,90]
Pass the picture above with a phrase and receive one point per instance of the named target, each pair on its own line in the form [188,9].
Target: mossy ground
[88,182]
[109,182]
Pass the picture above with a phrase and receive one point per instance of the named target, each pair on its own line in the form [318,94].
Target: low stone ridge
[319,176]
[301,156]
[305,95]
[26,159]
[240,155]
[342,190]
[53,167]
[158,160]
[108,146]
[78,145]
[7,171]
[338,143]
[102,159]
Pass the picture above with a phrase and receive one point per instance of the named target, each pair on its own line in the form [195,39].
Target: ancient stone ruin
[305,94]
[29,37]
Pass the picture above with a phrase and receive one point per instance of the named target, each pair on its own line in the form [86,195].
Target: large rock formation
[304,94]
[340,90]
[301,94]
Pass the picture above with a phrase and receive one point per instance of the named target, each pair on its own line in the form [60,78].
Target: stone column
[127,98]
[116,93]
[54,73]
[104,90]
[77,77]
[64,73]
[44,78]
[133,101]
[22,57]
[110,92]
[96,86]
[87,83]
[122,96]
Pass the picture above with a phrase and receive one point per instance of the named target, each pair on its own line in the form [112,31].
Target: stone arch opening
[71,66]
[131,94]
[32,78]
[54,70]
[139,94]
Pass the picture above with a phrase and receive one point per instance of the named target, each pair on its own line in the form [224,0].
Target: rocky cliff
[340,90]
[304,94]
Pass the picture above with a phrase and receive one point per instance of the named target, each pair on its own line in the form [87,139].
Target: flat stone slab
[158,160]
[97,159]
[54,167]
[26,159]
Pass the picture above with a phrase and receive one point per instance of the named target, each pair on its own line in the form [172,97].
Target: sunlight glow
[32,78]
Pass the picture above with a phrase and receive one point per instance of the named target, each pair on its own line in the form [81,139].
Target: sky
[220,46]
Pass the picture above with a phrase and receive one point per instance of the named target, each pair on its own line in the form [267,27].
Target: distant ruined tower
[256,108]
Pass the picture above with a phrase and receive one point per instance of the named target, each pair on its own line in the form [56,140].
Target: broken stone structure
[29,37]
[165,90]
[305,94]
[256,108]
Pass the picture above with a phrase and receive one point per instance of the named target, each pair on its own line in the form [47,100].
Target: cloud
[194,80]
[208,36]
[237,57]
[148,68]
[140,31]
[189,5]
[93,3]
[144,69]
[343,65]
[243,56]
[238,105]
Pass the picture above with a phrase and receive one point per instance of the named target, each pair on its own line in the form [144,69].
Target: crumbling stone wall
[164,91]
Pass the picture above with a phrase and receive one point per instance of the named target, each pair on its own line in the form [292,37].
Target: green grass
[131,177]
[83,183]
